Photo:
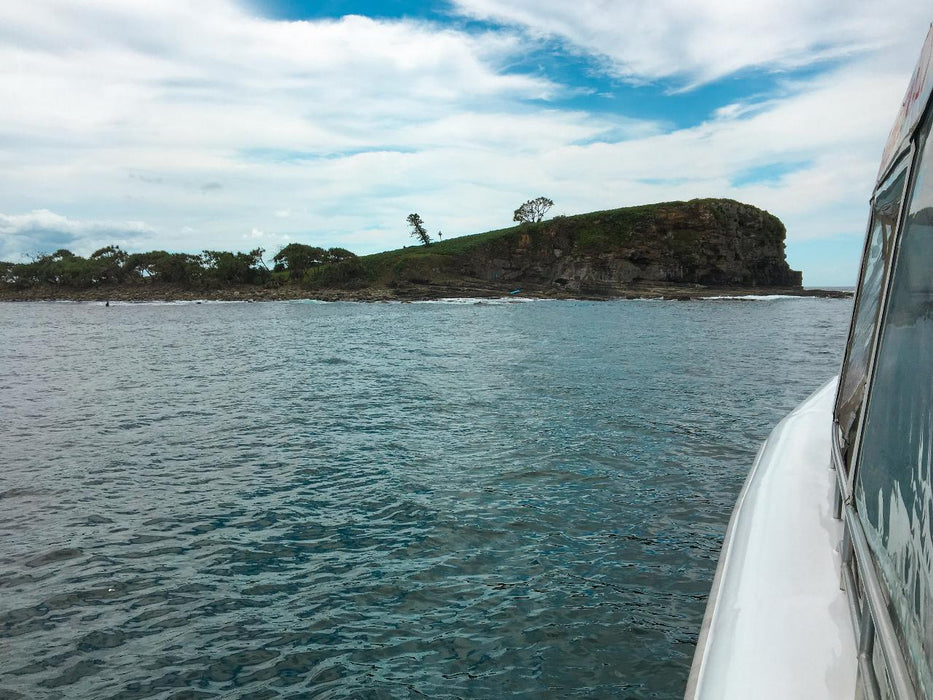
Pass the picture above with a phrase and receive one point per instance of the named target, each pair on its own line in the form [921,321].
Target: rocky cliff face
[713,242]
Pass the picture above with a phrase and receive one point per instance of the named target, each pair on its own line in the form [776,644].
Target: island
[677,250]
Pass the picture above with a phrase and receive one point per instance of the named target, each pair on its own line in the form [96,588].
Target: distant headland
[680,250]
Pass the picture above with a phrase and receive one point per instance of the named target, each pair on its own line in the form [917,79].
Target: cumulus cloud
[44,231]
[266,238]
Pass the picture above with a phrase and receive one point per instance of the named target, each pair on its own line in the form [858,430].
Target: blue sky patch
[332,9]
[770,174]
[827,261]
[283,155]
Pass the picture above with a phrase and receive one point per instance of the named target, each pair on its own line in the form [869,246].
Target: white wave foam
[754,297]
[482,301]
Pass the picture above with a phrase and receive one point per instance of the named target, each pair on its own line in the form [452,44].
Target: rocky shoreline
[250,293]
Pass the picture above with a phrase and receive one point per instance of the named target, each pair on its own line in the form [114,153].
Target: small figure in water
[107,304]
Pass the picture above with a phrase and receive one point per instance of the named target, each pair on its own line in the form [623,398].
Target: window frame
[849,467]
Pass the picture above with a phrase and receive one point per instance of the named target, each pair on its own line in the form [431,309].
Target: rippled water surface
[379,501]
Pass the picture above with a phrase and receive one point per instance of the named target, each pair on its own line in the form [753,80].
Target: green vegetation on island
[715,243]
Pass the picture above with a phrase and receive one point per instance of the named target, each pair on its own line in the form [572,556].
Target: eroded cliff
[710,242]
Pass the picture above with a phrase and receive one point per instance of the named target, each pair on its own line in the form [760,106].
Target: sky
[236,124]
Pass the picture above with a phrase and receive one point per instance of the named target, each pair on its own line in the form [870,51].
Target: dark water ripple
[378,501]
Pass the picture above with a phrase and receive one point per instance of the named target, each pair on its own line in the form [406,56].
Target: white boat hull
[778,623]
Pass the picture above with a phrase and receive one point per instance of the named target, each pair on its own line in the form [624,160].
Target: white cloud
[267,238]
[44,231]
[701,41]
[121,74]
[209,118]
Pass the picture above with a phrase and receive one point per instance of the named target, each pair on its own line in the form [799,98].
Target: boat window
[894,482]
[877,257]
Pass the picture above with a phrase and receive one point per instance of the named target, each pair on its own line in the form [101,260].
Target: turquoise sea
[443,500]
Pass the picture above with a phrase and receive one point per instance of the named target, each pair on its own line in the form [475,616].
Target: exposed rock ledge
[408,292]
[716,243]
[711,242]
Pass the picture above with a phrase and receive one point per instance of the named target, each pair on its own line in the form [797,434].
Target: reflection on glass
[894,489]
[874,268]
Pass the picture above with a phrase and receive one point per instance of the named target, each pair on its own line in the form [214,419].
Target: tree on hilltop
[532,211]
[418,230]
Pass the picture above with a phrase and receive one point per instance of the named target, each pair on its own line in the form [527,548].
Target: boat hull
[777,623]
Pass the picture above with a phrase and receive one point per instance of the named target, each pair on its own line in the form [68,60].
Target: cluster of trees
[297,258]
[112,265]
[317,267]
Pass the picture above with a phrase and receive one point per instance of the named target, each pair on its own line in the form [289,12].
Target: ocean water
[445,500]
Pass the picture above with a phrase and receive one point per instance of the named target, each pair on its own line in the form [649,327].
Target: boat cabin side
[882,441]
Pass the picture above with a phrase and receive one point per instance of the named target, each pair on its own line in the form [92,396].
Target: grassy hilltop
[714,242]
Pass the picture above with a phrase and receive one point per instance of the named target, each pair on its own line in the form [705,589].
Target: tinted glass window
[894,489]
[864,319]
